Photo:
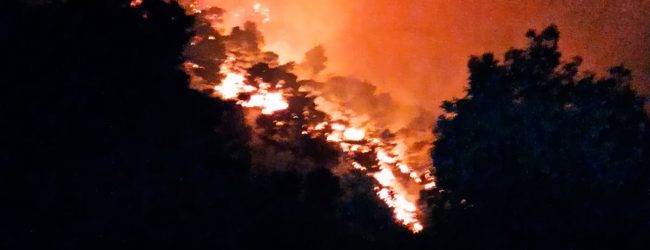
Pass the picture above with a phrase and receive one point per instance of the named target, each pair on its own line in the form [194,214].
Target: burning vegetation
[310,121]
[131,124]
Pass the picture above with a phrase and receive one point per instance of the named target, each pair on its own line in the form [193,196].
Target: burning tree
[294,129]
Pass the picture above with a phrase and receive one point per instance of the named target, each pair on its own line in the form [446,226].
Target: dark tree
[538,155]
[103,143]
[296,202]
[286,130]
[207,50]
[105,146]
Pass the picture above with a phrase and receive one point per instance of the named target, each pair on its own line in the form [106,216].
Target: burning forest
[324,124]
[295,117]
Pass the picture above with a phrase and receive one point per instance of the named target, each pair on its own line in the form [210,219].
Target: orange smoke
[417,50]
[351,140]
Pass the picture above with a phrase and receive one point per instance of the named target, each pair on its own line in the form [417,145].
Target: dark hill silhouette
[103,141]
[105,146]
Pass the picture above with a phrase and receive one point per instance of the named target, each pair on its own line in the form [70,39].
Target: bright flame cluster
[351,140]
[362,141]
[261,96]
[135,3]
[389,169]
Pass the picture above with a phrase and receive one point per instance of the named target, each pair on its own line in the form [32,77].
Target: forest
[112,138]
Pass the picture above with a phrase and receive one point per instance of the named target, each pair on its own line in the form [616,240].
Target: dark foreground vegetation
[105,146]
[540,154]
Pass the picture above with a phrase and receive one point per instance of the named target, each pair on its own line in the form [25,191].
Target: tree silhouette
[285,130]
[538,155]
[207,48]
[104,144]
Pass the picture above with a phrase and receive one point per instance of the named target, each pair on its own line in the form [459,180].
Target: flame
[354,137]
[403,210]
[382,156]
[135,3]
[385,177]
[268,101]
[354,134]
[351,140]
[234,84]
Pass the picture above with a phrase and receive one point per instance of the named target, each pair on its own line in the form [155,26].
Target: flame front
[351,140]
[355,139]
[234,85]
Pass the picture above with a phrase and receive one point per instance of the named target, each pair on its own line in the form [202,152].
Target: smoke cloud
[417,50]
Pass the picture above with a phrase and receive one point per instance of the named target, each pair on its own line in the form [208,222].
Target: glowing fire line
[352,140]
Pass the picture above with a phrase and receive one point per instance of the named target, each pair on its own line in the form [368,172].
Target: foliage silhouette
[104,143]
[538,155]
[105,146]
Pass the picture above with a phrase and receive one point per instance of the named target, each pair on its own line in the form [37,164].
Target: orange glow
[385,177]
[354,134]
[418,50]
[269,102]
[403,210]
[389,189]
[430,185]
[135,3]
[351,140]
[396,183]
[382,156]
[232,85]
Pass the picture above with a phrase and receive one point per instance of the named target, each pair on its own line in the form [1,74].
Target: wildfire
[388,189]
[264,12]
[355,139]
[234,85]
[354,134]
[351,140]
[269,102]
[135,3]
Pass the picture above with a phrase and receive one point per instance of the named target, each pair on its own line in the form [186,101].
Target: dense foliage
[538,154]
[103,141]
[105,146]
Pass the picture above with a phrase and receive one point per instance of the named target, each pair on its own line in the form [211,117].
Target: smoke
[408,56]
[386,67]
[346,99]
[340,124]
[418,50]
[313,63]
[359,102]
